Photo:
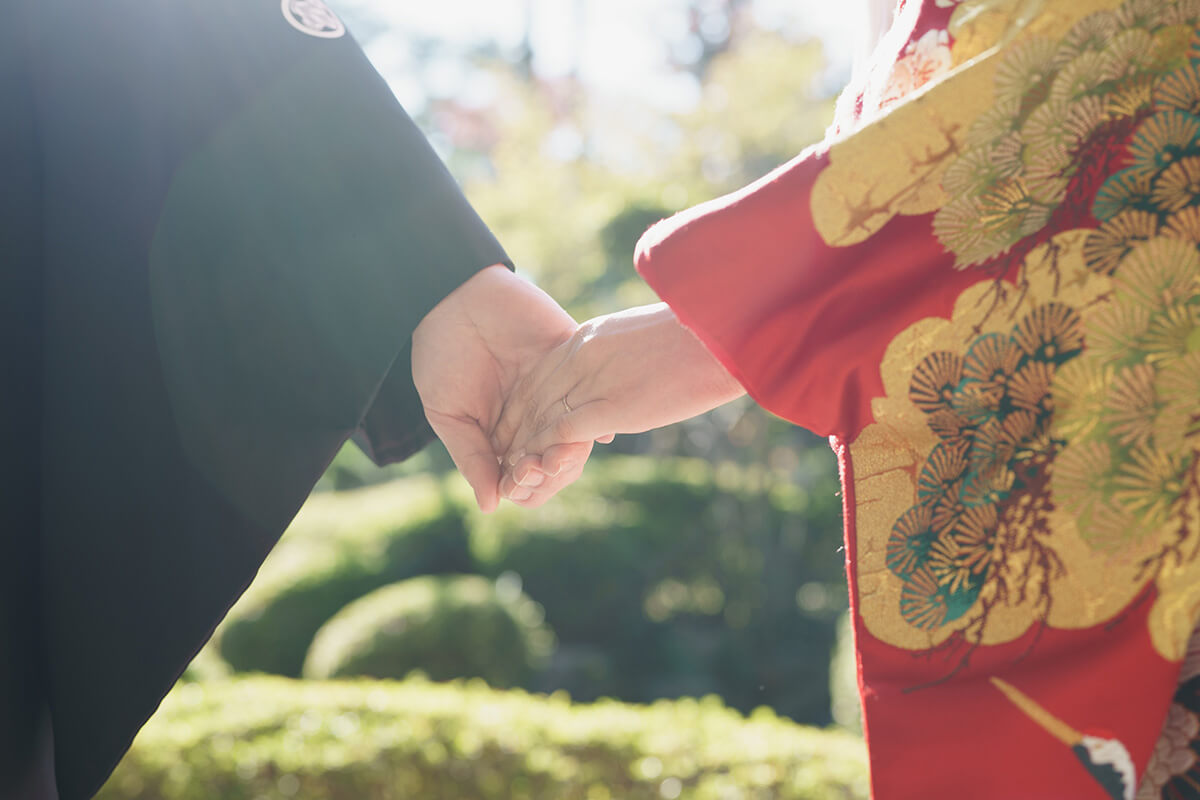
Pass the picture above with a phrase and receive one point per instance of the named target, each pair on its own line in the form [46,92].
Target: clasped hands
[519,392]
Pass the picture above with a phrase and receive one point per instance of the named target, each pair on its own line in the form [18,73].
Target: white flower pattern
[923,61]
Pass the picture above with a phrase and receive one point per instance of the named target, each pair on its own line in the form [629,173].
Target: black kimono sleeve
[233,230]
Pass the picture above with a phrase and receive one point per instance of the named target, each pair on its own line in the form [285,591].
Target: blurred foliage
[843,679]
[351,468]
[659,578]
[569,178]
[574,179]
[341,547]
[680,577]
[274,738]
[454,626]
[207,666]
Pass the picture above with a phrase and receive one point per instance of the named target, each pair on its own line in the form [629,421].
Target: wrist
[706,374]
[479,282]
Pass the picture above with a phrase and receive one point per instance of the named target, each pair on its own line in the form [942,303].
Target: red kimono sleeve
[800,324]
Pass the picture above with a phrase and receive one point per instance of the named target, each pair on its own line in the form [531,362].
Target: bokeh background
[671,626]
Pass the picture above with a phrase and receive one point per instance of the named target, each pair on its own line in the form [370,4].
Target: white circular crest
[313,17]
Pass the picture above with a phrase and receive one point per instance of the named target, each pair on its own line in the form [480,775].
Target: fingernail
[563,467]
[520,494]
[515,457]
[533,478]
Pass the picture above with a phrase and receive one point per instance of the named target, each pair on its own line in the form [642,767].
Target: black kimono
[218,231]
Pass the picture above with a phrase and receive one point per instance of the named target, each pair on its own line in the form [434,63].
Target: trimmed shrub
[687,577]
[206,666]
[660,578]
[447,627]
[843,679]
[273,738]
[340,548]
[578,555]
[352,468]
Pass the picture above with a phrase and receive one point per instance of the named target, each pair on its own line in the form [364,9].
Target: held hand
[468,354]
[627,372]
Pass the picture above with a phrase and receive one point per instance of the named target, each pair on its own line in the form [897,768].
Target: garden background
[671,626]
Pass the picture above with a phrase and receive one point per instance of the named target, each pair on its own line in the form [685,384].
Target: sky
[616,45]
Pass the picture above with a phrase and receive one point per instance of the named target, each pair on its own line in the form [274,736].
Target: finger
[519,481]
[537,479]
[571,472]
[472,454]
[560,459]
[606,439]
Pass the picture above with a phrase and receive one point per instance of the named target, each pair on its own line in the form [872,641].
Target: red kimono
[985,288]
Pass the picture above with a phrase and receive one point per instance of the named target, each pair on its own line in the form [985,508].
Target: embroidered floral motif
[1081,415]
[985,479]
[1127,408]
[1133,463]
[1036,162]
[1174,768]
[924,60]
[1035,477]
[1173,755]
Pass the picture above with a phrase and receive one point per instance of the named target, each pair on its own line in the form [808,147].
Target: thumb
[472,454]
[560,459]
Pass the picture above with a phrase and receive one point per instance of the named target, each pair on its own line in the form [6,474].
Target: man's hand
[468,354]
[626,372]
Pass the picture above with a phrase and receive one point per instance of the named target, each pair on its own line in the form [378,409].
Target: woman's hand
[470,352]
[627,372]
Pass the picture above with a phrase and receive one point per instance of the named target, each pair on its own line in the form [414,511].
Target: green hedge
[665,578]
[660,578]
[274,738]
[451,626]
[340,548]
